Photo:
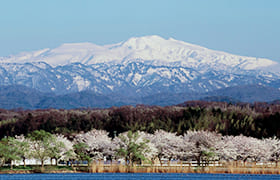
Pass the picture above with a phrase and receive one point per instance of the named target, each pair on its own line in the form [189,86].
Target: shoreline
[177,170]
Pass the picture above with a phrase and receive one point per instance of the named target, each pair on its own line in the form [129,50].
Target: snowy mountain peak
[144,42]
[152,49]
[146,38]
[139,67]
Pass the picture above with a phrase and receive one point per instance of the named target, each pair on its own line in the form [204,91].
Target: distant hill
[18,96]
[248,93]
[220,99]
[84,99]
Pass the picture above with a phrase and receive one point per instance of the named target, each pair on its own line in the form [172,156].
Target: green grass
[31,168]
[15,168]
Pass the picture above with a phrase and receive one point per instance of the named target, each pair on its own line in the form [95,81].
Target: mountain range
[142,70]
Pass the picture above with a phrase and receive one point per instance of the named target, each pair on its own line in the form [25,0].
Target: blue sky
[244,27]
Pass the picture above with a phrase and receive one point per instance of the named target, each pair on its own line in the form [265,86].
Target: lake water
[137,176]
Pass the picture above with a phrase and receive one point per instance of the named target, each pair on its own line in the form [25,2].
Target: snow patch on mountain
[81,83]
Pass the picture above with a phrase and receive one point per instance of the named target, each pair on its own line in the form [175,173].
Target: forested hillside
[257,120]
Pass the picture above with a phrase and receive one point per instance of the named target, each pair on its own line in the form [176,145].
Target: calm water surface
[154,176]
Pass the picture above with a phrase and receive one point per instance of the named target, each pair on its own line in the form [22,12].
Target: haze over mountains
[144,70]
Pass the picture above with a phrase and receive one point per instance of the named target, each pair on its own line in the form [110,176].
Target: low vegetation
[95,151]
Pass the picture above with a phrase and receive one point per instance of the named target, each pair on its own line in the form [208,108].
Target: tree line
[138,147]
[257,120]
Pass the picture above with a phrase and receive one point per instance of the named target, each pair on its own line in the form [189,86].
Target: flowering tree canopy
[99,143]
[205,144]
[169,145]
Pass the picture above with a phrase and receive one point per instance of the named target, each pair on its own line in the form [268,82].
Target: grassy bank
[36,169]
[117,168]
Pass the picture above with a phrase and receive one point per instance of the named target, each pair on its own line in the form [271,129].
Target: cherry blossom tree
[274,149]
[260,151]
[61,148]
[99,144]
[243,148]
[67,152]
[205,145]
[152,152]
[168,145]
[227,150]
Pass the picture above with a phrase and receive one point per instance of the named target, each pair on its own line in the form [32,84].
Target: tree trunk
[159,158]
[71,163]
[24,163]
[55,161]
[126,163]
[2,161]
[160,161]
[42,163]
[198,160]
[130,162]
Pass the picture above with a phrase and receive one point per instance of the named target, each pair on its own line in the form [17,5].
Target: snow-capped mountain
[138,67]
[153,50]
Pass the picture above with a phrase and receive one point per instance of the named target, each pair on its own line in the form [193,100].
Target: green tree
[23,148]
[41,145]
[56,150]
[9,150]
[132,147]
[82,153]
